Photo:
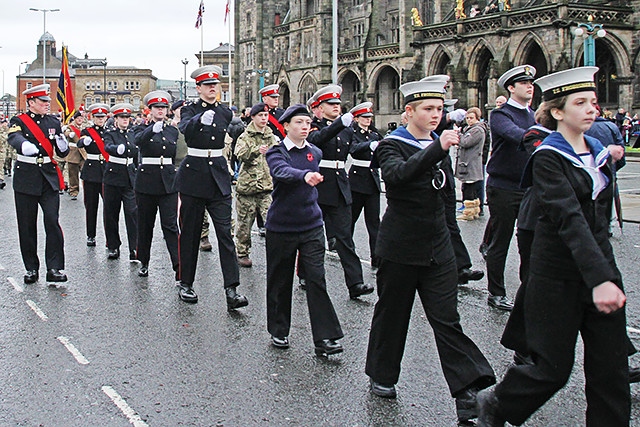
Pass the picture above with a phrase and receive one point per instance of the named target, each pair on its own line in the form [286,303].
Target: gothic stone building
[384,43]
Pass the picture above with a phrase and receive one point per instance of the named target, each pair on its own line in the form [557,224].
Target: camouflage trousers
[246,208]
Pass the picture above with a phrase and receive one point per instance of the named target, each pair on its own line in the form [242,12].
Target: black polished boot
[234,299]
[360,289]
[187,294]
[327,347]
[91,241]
[113,253]
[466,405]
[488,410]
[55,275]
[144,271]
[31,277]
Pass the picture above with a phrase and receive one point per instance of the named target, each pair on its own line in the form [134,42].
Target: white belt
[120,160]
[361,163]
[332,164]
[73,145]
[33,160]
[95,157]
[155,160]
[199,152]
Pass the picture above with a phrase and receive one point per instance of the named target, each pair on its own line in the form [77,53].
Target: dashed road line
[131,415]
[17,286]
[2,267]
[73,350]
[37,310]
[633,330]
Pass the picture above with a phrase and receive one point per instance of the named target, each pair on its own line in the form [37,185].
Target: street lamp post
[104,80]
[590,31]
[18,91]
[263,74]
[44,42]
[185,61]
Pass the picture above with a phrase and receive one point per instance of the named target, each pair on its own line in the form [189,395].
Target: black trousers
[115,197]
[281,258]
[463,364]
[566,308]
[27,214]
[463,260]
[190,219]
[503,208]
[92,193]
[472,190]
[148,207]
[337,221]
[371,205]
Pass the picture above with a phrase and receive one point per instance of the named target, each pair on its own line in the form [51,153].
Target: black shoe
[466,274]
[327,347]
[488,410]
[262,231]
[484,249]
[303,284]
[187,294]
[31,276]
[466,406]
[2,185]
[360,289]
[113,253]
[74,197]
[634,375]
[383,390]
[331,243]
[91,241]
[280,342]
[234,299]
[525,359]
[54,275]
[500,302]
[144,271]
[133,256]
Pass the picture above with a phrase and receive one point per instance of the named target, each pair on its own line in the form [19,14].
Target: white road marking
[633,330]
[2,267]
[73,350]
[131,415]
[17,286]
[629,190]
[37,310]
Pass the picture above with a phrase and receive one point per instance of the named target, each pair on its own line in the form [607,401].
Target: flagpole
[201,45]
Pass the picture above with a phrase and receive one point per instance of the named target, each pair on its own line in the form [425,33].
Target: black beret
[259,108]
[294,110]
[77,114]
[179,103]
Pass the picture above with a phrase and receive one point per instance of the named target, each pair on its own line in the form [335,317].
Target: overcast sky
[155,34]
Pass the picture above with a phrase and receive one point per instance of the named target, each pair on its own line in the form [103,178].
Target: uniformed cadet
[92,172]
[334,193]
[76,157]
[253,190]
[36,135]
[364,180]
[119,179]
[203,182]
[270,97]
[154,186]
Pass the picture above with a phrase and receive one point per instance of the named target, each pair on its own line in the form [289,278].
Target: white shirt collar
[288,144]
[516,104]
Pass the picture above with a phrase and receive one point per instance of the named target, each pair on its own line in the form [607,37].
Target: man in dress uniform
[363,179]
[270,97]
[154,186]
[76,157]
[334,193]
[119,179]
[203,182]
[37,137]
[3,150]
[93,169]
[508,125]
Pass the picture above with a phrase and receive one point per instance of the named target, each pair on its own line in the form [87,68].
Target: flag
[64,94]
[200,13]
[227,9]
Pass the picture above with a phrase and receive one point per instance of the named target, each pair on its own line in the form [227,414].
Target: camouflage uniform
[253,191]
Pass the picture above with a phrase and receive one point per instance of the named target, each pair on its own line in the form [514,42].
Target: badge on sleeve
[310,157]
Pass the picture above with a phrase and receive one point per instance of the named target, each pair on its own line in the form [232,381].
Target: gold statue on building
[415,18]
[460,9]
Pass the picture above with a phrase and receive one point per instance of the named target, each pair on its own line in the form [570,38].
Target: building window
[126,85]
[310,7]
[88,101]
[137,85]
[112,101]
[115,85]
[395,29]
[250,57]
[87,86]
[127,99]
[225,69]
[357,2]
[225,96]
[136,103]
[248,19]
[98,99]
[109,85]
[93,86]
[358,32]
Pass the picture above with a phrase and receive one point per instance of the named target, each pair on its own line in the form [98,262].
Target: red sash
[99,142]
[75,130]
[276,123]
[44,143]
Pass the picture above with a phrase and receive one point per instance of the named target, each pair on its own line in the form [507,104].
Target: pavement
[109,348]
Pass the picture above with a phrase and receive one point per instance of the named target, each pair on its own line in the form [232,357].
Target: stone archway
[606,77]
[536,57]
[285,95]
[308,87]
[351,90]
[387,96]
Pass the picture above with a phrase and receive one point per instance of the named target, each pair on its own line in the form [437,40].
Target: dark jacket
[365,180]
[608,134]
[116,174]
[156,179]
[413,230]
[197,176]
[28,178]
[93,170]
[325,135]
[469,154]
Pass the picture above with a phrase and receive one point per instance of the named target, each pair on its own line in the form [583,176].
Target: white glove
[207,117]
[157,126]
[72,135]
[120,149]
[29,149]
[64,128]
[373,145]
[62,143]
[347,118]
[86,140]
[457,115]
